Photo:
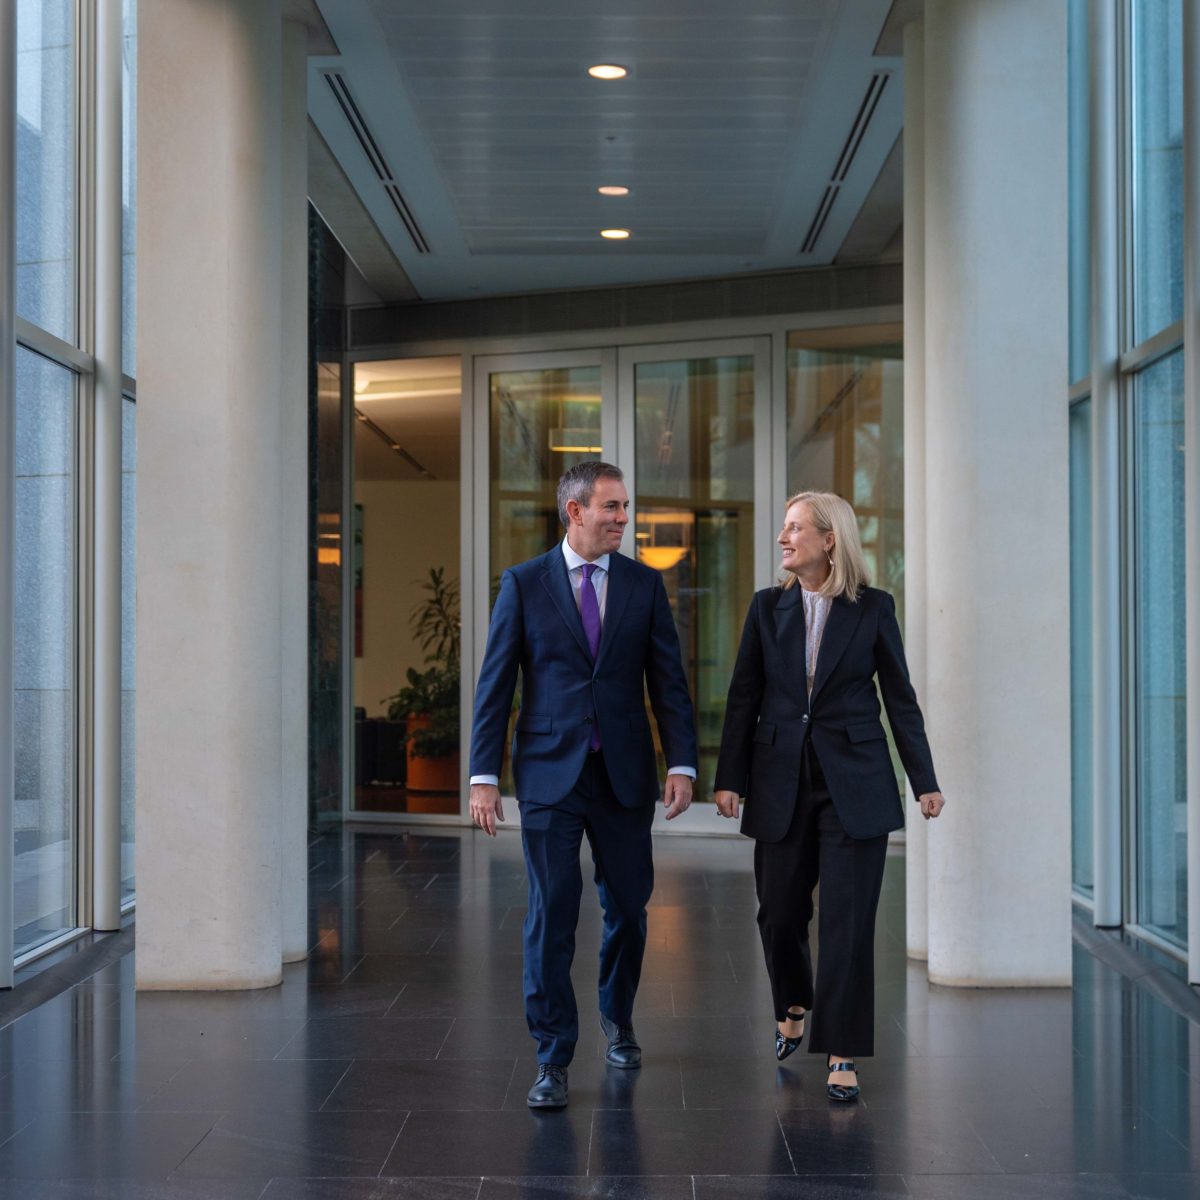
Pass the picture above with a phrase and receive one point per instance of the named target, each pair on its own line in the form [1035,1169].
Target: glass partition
[1080,433]
[45,648]
[1160,709]
[1157,165]
[47,174]
[128,643]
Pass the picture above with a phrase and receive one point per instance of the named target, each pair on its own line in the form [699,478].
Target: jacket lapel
[789,637]
[840,625]
[558,584]
[620,582]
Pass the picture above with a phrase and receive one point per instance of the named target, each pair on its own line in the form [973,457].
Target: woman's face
[805,548]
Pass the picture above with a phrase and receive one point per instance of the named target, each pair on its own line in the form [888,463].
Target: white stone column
[208,558]
[293,542]
[915,596]
[996,491]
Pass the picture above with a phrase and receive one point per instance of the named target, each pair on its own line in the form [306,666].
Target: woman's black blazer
[769,715]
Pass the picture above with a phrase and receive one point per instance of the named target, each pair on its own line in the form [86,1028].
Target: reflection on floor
[395,1063]
[387,798]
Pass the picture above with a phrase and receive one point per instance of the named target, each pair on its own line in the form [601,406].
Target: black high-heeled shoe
[840,1091]
[786,1045]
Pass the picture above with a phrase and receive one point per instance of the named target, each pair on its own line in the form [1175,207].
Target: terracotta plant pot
[430,774]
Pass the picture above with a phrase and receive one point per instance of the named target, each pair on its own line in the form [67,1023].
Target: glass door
[695,445]
[536,416]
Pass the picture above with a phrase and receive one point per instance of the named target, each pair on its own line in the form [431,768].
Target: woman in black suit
[804,744]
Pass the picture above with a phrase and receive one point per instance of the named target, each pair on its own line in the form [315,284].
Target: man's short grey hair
[579,484]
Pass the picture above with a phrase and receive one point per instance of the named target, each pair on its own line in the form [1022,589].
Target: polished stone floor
[394,1063]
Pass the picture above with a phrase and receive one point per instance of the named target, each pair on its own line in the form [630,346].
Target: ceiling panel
[727,131]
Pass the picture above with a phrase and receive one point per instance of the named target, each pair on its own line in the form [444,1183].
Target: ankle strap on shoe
[842,1066]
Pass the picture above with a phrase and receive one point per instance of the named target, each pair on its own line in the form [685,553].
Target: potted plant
[429,701]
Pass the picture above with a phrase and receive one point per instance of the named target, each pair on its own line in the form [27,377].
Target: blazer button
[805,718]
[588,720]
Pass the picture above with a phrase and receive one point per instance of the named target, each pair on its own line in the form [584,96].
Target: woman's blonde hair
[832,514]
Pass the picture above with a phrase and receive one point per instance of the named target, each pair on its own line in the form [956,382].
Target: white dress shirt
[575,565]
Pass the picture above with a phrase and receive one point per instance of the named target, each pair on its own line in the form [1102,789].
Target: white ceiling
[727,130]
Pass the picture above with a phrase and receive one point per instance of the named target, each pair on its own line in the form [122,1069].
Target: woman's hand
[931,803]
[727,803]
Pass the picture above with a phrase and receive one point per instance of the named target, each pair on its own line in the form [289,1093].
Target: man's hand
[931,803]
[486,808]
[727,803]
[677,795]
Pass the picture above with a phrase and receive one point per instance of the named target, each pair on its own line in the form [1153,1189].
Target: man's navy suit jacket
[536,627]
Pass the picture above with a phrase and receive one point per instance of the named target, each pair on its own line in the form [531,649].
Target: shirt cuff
[690,772]
[494,780]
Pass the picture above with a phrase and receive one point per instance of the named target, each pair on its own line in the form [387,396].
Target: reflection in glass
[128,645]
[43,666]
[1078,189]
[129,187]
[1081,646]
[1157,165]
[1159,694]
[846,435]
[46,173]
[542,423]
[695,516]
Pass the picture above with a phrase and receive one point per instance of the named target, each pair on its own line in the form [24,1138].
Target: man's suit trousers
[850,870]
[624,871]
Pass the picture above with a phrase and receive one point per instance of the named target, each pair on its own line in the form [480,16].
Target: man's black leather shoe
[549,1088]
[623,1049]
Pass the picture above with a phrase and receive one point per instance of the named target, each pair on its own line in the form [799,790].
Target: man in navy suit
[591,632]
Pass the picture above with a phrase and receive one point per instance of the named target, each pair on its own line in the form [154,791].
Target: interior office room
[306,306]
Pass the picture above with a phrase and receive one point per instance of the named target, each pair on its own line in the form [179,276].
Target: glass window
[1159,692]
[44,661]
[128,607]
[46,171]
[1157,165]
[129,188]
[695,517]
[1078,189]
[1080,434]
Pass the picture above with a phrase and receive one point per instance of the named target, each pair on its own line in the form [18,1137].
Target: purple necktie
[589,610]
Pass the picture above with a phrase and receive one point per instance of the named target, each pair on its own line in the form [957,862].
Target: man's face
[597,529]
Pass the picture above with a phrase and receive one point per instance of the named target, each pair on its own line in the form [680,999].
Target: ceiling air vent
[354,117]
[866,110]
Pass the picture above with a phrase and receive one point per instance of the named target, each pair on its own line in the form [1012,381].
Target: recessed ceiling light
[615,235]
[607,71]
[613,189]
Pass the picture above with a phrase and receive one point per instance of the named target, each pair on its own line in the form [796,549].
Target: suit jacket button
[805,718]
[587,720]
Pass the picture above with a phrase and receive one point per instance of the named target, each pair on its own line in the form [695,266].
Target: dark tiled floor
[393,1064]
